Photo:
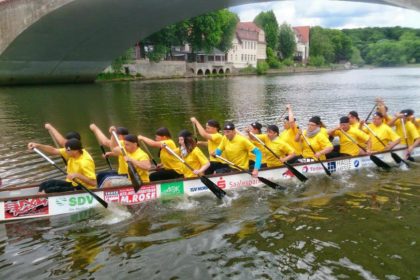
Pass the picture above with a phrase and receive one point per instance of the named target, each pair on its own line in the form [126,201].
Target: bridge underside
[78,40]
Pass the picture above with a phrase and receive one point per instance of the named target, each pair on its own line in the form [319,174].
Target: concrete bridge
[70,41]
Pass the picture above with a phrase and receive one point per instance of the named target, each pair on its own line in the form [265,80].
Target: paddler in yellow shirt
[192,155]
[347,134]
[382,131]
[255,129]
[406,129]
[236,149]
[283,150]
[289,133]
[313,137]
[213,137]
[170,167]
[80,168]
[136,156]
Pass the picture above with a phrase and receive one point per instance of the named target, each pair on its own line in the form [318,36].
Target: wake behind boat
[24,202]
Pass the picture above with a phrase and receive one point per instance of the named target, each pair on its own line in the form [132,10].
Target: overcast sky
[332,14]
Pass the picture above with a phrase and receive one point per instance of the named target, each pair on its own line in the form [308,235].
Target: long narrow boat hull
[22,203]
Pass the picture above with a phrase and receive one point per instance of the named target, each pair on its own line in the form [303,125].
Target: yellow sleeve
[200,156]
[222,144]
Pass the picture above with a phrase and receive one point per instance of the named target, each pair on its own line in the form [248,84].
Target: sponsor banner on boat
[236,181]
[128,196]
[193,187]
[172,189]
[30,207]
[73,203]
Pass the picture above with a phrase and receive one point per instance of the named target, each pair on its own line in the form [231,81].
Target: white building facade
[248,46]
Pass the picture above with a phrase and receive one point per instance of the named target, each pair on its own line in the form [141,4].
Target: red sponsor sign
[26,208]
[128,196]
[221,183]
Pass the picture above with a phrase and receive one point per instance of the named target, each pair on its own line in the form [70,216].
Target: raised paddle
[262,179]
[218,192]
[106,158]
[370,113]
[100,200]
[317,159]
[396,157]
[146,149]
[375,159]
[281,116]
[132,172]
[295,172]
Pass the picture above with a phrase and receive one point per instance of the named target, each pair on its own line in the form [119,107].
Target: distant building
[248,45]
[302,43]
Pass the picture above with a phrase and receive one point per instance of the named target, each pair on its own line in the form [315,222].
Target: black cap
[287,118]
[316,120]
[213,123]
[122,130]
[73,134]
[407,112]
[378,114]
[256,125]
[344,120]
[354,114]
[73,145]
[131,138]
[273,128]
[229,126]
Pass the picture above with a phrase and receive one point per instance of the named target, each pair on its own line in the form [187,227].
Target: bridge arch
[74,40]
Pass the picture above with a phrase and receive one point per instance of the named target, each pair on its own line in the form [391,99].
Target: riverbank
[113,77]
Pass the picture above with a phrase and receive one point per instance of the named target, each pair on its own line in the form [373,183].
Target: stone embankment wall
[17,15]
[163,69]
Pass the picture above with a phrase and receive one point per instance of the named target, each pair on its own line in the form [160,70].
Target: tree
[411,45]
[320,44]
[386,53]
[267,21]
[287,43]
[356,58]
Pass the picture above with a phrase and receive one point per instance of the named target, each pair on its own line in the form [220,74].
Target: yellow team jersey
[385,133]
[288,136]
[237,150]
[196,159]
[122,165]
[346,145]
[355,125]
[318,143]
[138,155]
[280,148]
[324,131]
[83,165]
[411,132]
[66,155]
[168,160]
[264,138]
[212,145]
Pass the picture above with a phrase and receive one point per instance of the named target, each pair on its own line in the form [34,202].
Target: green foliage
[386,53]
[272,60]
[205,32]
[112,76]
[268,22]
[248,70]
[287,43]
[288,62]
[411,45]
[356,58]
[316,61]
[262,67]
[127,57]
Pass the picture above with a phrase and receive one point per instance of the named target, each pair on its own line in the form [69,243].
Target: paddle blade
[325,169]
[298,175]
[134,176]
[271,184]
[398,159]
[218,192]
[380,163]
[100,200]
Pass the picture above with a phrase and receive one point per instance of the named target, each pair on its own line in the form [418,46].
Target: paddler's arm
[44,148]
[150,142]
[201,129]
[55,134]
[258,158]
[100,136]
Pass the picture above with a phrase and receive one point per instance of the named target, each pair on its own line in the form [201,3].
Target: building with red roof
[248,46]
[302,43]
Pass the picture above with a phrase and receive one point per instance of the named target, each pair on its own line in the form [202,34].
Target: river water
[363,225]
